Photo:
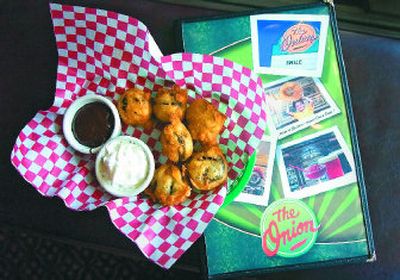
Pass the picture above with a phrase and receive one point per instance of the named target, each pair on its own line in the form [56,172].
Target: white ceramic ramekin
[127,192]
[70,114]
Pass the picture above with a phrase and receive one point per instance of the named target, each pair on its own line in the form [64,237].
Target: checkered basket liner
[103,52]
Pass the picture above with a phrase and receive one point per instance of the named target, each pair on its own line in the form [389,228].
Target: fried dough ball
[134,107]
[207,169]
[170,103]
[177,144]
[167,186]
[204,121]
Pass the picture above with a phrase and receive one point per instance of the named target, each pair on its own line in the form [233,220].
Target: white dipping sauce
[123,166]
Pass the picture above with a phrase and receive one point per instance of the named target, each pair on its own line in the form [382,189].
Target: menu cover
[305,203]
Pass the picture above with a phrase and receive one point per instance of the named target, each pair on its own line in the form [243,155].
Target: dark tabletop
[27,83]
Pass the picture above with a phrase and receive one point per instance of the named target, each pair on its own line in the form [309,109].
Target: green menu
[305,203]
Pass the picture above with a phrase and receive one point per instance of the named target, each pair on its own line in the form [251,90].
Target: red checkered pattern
[103,52]
[163,234]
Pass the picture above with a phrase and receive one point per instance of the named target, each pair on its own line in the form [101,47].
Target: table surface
[27,83]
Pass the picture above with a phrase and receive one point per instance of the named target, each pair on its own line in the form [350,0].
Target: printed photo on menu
[288,44]
[314,164]
[297,103]
[258,187]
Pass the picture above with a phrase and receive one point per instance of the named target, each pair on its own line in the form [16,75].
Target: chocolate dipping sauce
[93,124]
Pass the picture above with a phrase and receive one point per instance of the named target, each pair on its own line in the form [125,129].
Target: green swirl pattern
[339,211]
[237,225]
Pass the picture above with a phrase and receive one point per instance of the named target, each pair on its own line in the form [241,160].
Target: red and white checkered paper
[103,52]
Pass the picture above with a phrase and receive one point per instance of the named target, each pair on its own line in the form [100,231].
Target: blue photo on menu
[292,45]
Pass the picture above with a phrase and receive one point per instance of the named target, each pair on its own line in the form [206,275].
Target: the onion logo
[289,228]
[298,38]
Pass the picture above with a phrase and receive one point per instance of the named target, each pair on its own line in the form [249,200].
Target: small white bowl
[70,114]
[126,192]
